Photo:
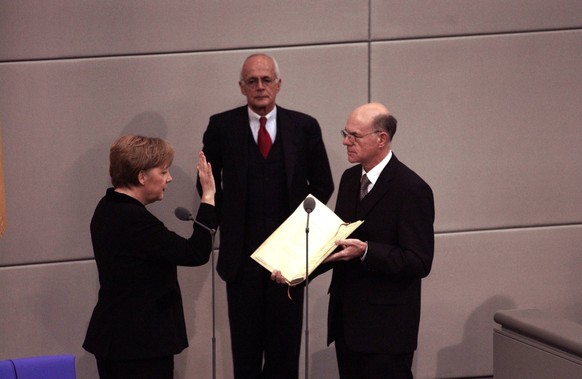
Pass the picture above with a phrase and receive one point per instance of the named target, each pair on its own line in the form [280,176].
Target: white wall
[487,94]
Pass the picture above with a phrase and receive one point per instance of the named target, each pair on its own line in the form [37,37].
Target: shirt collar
[375,172]
[255,117]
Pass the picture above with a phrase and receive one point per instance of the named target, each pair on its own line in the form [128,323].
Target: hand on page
[350,248]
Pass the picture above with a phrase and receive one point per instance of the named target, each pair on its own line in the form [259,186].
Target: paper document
[285,251]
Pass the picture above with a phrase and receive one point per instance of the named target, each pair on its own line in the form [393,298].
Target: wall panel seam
[369,41]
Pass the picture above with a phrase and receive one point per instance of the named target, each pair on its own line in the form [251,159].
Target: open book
[285,251]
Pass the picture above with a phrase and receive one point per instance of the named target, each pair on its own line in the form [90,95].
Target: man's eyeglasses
[352,136]
[254,82]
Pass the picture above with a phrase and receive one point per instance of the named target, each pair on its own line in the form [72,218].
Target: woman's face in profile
[155,182]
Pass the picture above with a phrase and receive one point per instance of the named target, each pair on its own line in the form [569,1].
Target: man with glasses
[266,159]
[374,307]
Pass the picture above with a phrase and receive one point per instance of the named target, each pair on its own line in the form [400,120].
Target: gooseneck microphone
[185,215]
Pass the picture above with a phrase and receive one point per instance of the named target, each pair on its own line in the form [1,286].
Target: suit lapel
[239,134]
[290,142]
[347,197]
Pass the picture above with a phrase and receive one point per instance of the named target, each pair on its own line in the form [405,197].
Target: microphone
[308,204]
[183,214]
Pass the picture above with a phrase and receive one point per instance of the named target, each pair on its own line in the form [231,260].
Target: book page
[285,249]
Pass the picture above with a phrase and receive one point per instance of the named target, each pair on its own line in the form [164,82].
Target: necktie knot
[364,184]
[264,139]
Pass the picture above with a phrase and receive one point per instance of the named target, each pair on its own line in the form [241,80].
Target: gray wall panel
[69,28]
[45,309]
[476,274]
[496,135]
[394,19]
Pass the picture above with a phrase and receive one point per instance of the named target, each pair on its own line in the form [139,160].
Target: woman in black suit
[138,323]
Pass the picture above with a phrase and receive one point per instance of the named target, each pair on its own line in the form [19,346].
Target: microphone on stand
[185,215]
[309,206]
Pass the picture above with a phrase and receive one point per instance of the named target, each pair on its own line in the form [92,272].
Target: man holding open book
[374,307]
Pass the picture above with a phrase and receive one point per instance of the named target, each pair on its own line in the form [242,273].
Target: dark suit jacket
[379,298]
[139,311]
[225,146]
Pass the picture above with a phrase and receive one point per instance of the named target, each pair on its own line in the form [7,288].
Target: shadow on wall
[477,343]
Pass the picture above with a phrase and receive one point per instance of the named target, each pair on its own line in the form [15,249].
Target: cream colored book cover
[284,250]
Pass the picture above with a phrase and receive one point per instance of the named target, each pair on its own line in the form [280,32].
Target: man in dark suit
[267,160]
[374,308]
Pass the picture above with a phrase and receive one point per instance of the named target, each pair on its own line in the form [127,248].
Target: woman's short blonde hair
[131,154]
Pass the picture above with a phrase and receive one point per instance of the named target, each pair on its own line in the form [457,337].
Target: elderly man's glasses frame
[266,80]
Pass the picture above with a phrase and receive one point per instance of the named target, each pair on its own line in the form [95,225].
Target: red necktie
[264,140]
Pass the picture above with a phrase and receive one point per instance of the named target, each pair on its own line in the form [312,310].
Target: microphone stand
[307,298]
[308,205]
[213,236]
[185,215]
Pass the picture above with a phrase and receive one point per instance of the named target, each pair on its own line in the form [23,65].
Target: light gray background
[488,98]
